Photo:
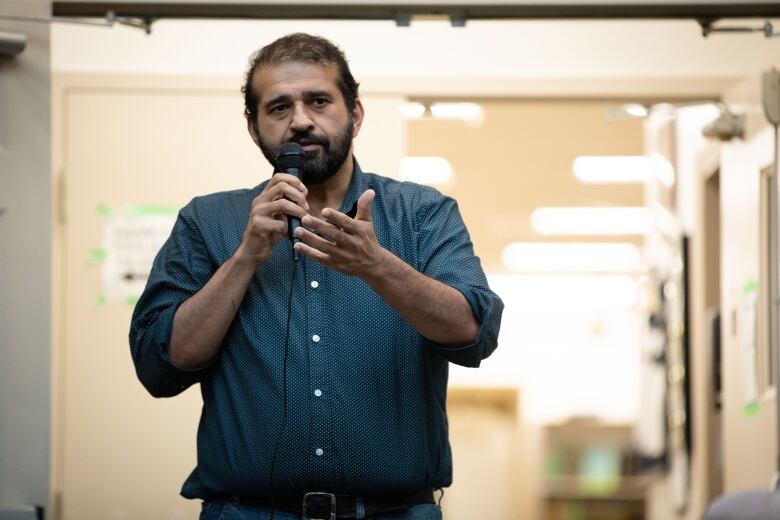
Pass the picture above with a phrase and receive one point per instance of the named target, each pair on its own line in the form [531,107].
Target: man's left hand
[342,243]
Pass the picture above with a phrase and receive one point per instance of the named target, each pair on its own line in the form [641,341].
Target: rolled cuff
[487,309]
[159,375]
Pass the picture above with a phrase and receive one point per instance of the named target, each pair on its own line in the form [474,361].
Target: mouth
[309,144]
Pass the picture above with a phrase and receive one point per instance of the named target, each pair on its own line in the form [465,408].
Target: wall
[25,264]
[689,146]
[524,57]
[750,445]
[169,163]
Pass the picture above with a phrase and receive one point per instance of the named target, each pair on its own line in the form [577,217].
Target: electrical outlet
[770,92]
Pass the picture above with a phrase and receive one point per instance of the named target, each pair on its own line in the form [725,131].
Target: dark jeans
[227,511]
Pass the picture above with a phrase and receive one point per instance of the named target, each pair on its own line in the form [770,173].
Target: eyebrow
[286,98]
[278,99]
[311,94]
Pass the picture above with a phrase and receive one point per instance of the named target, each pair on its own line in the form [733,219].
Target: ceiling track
[401,12]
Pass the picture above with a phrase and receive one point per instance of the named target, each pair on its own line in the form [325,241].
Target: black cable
[284,387]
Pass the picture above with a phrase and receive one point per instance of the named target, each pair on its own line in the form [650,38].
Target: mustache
[309,138]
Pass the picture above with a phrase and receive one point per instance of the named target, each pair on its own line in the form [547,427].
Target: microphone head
[290,156]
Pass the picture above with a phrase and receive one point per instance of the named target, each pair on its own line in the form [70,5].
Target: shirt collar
[357,185]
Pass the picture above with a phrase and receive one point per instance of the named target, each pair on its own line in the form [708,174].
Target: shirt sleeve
[445,253]
[179,270]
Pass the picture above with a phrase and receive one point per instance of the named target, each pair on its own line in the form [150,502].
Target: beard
[320,164]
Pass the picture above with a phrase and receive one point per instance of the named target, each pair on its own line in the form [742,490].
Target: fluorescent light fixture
[611,169]
[412,110]
[572,257]
[470,112]
[623,169]
[635,109]
[591,220]
[433,171]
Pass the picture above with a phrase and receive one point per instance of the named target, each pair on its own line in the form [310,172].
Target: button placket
[318,362]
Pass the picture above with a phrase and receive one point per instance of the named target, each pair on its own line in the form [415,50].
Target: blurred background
[617,180]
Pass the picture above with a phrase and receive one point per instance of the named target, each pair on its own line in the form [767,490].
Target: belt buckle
[330,496]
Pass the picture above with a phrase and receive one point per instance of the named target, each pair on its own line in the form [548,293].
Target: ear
[251,126]
[357,117]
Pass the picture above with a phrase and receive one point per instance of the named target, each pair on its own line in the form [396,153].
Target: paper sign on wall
[748,343]
[131,240]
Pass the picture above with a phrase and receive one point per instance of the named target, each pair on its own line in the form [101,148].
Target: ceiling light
[591,220]
[635,110]
[572,257]
[433,171]
[470,112]
[611,169]
[623,169]
[412,110]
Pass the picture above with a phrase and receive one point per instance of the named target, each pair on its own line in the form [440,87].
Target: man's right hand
[283,195]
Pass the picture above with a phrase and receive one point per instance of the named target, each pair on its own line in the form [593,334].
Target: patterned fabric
[365,392]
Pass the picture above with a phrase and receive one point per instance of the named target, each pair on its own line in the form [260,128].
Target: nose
[301,122]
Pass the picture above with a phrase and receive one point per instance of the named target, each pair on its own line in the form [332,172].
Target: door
[131,156]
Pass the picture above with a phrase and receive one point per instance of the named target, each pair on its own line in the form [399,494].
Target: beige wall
[750,445]
[113,442]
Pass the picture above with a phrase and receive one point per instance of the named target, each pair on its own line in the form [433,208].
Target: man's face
[301,102]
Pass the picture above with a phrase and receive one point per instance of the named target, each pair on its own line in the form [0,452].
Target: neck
[330,194]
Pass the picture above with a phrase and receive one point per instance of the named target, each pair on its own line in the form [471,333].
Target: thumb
[364,206]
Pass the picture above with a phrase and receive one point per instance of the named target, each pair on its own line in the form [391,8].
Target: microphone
[290,160]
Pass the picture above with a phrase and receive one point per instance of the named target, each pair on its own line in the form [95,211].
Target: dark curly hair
[299,47]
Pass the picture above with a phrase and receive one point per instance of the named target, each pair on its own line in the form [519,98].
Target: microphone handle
[293,223]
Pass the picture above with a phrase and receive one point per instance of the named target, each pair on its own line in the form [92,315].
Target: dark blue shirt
[365,392]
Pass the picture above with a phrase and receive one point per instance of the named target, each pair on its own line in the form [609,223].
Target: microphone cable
[284,385]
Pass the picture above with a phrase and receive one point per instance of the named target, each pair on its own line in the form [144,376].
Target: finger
[312,253]
[292,180]
[271,190]
[261,225]
[282,189]
[329,231]
[315,241]
[340,220]
[286,207]
[290,193]
[364,205]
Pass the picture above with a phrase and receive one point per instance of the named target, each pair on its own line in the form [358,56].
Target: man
[323,379]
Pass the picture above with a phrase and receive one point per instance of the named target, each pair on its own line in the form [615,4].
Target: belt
[319,505]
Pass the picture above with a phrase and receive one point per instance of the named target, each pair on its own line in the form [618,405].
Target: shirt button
[315,338]
[318,392]
[315,284]
[319,452]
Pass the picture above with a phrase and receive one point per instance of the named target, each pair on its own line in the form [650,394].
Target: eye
[277,109]
[319,102]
